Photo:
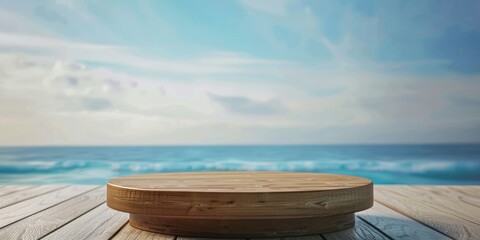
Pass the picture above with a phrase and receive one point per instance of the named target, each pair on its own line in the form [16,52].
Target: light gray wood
[469,189]
[25,194]
[455,194]
[77,217]
[429,197]
[6,190]
[438,219]
[44,222]
[130,233]
[361,231]
[100,223]
[398,226]
[31,206]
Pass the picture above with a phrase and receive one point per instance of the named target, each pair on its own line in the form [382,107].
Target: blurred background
[95,89]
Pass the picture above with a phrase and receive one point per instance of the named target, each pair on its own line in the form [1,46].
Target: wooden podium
[240,204]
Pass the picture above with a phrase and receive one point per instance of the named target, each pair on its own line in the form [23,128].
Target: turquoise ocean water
[384,164]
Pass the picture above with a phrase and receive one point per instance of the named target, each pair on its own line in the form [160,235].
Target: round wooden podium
[240,204]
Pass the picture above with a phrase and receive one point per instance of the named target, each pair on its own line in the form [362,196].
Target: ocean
[384,164]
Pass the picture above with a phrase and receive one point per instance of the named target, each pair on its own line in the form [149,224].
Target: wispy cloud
[289,73]
[216,62]
[245,105]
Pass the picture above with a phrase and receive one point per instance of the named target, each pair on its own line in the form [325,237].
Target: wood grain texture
[31,206]
[240,182]
[44,222]
[130,233]
[442,221]
[6,190]
[461,194]
[242,228]
[10,199]
[434,199]
[224,204]
[473,191]
[399,219]
[361,231]
[398,226]
[240,195]
[99,223]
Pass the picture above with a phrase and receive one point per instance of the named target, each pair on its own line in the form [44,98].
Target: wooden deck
[79,212]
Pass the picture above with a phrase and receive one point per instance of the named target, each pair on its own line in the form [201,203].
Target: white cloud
[44,101]
[243,105]
[50,94]
[219,62]
[28,41]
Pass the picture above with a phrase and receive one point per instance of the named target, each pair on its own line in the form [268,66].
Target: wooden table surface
[80,212]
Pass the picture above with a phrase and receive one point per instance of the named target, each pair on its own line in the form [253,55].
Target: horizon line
[241,145]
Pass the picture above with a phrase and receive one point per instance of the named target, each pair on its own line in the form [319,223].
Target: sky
[239,72]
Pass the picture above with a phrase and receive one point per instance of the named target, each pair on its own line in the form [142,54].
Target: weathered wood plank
[398,226]
[428,197]
[44,222]
[25,194]
[440,220]
[130,233]
[31,206]
[456,194]
[85,219]
[100,223]
[6,190]
[473,191]
[361,231]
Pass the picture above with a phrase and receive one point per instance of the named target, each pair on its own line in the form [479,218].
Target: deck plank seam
[322,237]
[66,223]
[419,221]
[100,225]
[34,196]
[118,230]
[376,228]
[33,213]
[464,193]
[174,237]
[50,206]
[432,191]
[433,206]
[2,195]
[413,219]
[59,227]
[36,221]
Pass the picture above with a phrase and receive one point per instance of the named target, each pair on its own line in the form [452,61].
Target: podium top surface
[239,182]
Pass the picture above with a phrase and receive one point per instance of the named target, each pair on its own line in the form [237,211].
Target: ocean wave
[431,169]
[45,166]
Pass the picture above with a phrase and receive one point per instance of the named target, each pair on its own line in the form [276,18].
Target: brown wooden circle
[215,203]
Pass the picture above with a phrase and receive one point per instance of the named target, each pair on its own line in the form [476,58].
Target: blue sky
[239,72]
